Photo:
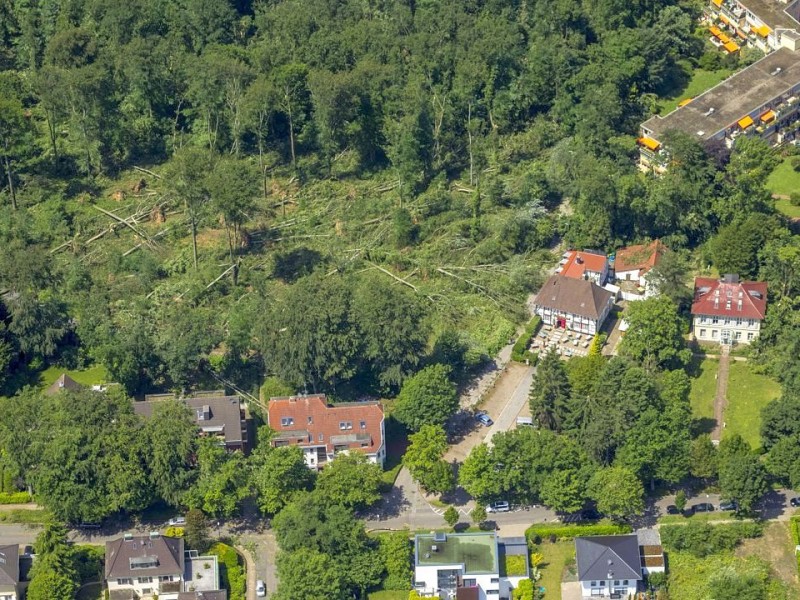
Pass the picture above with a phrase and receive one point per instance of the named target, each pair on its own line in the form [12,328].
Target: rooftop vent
[434,548]
[204,413]
[2,558]
[143,562]
[730,278]
[710,111]
[154,535]
[440,537]
[755,294]
[776,71]
[127,537]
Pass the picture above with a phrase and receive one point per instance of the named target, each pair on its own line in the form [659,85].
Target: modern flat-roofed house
[215,414]
[145,567]
[323,430]
[467,566]
[9,572]
[609,566]
[584,265]
[765,24]
[761,100]
[635,262]
[215,595]
[728,311]
[575,304]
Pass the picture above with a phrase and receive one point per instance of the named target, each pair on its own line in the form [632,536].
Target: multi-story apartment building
[728,311]
[762,100]
[323,430]
[764,24]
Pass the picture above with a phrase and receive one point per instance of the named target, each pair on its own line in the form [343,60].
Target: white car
[261,589]
[498,507]
[177,521]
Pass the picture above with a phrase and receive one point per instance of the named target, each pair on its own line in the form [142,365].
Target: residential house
[761,100]
[146,567]
[764,24]
[633,263]
[9,573]
[584,265]
[728,311]
[575,304]
[216,415]
[64,382]
[323,430]
[609,566]
[467,566]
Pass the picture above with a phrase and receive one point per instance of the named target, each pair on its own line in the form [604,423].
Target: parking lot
[567,343]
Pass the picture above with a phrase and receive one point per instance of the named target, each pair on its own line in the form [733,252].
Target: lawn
[704,387]
[784,180]
[90,591]
[388,595]
[697,517]
[689,576]
[92,376]
[777,548]
[23,515]
[701,81]
[556,557]
[748,393]
[785,207]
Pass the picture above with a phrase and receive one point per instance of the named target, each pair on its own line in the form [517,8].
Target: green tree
[171,443]
[278,474]
[669,277]
[451,516]
[423,459]
[351,480]
[680,500]
[736,247]
[550,392]
[478,514]
[222,482]
[703,459]
[291,83]
[783,461]
[564,491]
[618,492]
[306,574]
[196,530]
[742,476]
[476,474]
[395,552]
[655,333]
[427,398]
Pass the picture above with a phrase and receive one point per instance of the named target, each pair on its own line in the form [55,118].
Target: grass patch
[514,566]
[784,180]
[776,547]
[697,517]
[557,557]
[92,376]
[701,81]
[90,591]
[748,393]
[689,576]
[388,595]
[704,388]
[783,206]
[21,515]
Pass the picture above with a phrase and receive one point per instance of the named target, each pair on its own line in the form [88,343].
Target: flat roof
[732,99]
[773,13]
[476,551]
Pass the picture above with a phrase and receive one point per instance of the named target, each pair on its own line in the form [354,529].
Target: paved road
[519,398]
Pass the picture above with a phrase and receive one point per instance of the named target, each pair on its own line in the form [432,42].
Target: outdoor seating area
[566,343]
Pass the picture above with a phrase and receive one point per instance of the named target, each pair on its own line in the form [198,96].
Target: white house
[9,572]
[728,311]
[609,566]
[576,304]
[323,430]
[632,264]
[591,266]
[466,566]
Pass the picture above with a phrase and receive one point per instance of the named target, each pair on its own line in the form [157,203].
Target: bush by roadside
[520,352]
[568,532]
[15,497]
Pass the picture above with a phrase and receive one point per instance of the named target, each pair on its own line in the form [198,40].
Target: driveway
[571,590]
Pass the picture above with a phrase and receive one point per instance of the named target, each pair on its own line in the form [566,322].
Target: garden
[748,393]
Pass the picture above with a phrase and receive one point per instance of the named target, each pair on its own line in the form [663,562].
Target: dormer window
[287,421]
[345,425]
[363,424]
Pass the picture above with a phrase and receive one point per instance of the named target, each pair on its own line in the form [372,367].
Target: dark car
[89,525]
[703,507]
[795,502]
[673,510]
[590,514]
[484,419]
[729,505]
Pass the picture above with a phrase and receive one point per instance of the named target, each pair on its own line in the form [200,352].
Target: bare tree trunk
[469,134]
[291,134]
[194,240]
[51,129]
[10,176]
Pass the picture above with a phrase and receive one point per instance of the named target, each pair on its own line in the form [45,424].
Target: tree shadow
[772,504]
[703,425]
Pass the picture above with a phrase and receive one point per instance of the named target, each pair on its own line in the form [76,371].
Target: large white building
[467,566]
[728,311]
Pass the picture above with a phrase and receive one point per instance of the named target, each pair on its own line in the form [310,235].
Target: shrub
[794,199]
[520,351]
[14,497]
[702,539]
[231,573]
[395,551]
[794,527]
[174,532]
[795,162]
[88,561]
[568,532]
[515,566]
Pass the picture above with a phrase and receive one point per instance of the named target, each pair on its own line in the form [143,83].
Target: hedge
[568,532]
[231,572]
[794,527]
[520,350]
[14,497]
[703,539]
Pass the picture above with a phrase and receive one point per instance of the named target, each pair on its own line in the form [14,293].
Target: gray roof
[603,557]
[773,13]
[575,296]
[163,554]
[215,595]
[9,565]
[213,413]
[734,98]
[64,382]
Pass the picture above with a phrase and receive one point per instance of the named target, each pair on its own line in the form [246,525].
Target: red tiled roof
[642,257]
[712,297]
[310,417]
[580,262]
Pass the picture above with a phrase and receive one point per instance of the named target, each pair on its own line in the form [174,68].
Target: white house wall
[605,591]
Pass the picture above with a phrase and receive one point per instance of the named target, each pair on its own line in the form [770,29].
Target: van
[524,421]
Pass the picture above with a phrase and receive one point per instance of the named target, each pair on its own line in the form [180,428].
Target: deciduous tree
[427,398]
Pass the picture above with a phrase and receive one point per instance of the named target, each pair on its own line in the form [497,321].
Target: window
[702,333]
[147,591]
[492,592]
[470,583]
[286,421]
[363,424]
[751,322]
[125,581]
[495,580]
[344,425]
[321,437]
[714,320]
[145,580]
[714,334]
[165,578]
[310,420]
[737,335]
[750,336]
[624,582]
[603,582]
[593,584]
[616,582]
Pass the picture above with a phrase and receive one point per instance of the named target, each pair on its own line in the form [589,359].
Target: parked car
[703,507]
[176,521]
[673,510]
[90,525]
[795,502]
[484,419]
[729,505]
[590,514]
[261,589]
[498,507]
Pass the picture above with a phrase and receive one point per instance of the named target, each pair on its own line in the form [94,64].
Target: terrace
[477,552]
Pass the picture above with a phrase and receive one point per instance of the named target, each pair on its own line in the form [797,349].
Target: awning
[768,116]
[717,2]
[724,19]
[741,34]
[731,47]
[762,30]
[685,101]
[649,142]
[745,122]
[716,32]
[724,38]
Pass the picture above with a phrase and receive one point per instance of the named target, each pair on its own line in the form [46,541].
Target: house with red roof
[583,264]
[728,311]
[635,262]
[324,430]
